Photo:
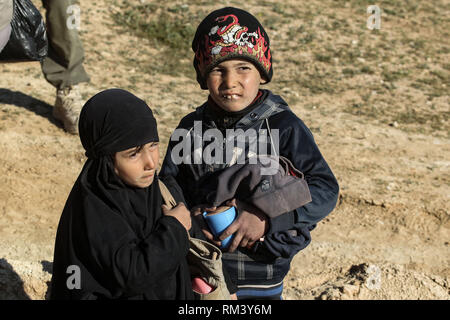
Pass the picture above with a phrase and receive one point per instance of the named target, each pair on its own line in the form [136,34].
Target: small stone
[394,124]
[350,290]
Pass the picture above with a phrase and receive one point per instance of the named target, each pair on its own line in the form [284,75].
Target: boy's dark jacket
[288,233]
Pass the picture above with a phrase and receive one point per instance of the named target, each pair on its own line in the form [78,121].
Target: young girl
[115,239]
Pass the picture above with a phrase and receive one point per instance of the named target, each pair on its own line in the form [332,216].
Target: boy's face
[137,166]
[234,84]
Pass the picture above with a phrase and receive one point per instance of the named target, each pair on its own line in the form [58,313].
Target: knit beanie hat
[230,33]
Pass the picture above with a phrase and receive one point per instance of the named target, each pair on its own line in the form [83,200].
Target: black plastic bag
[28,41]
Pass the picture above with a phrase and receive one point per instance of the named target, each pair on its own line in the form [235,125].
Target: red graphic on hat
[233,38]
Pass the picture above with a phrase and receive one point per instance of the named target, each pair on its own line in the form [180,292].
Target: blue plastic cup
[219,221]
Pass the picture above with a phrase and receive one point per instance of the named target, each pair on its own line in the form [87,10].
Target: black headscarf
[116,234]
[115,120]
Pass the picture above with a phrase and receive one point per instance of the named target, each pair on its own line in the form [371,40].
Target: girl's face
[137,166]
[234,84]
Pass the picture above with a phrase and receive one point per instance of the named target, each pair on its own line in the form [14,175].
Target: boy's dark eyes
[240,68]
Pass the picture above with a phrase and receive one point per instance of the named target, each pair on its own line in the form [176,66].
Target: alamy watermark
[73,20]
[373,281]
[74,280]
[192,147]
[374,20]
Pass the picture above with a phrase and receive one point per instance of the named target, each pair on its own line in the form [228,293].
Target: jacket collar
[273,104]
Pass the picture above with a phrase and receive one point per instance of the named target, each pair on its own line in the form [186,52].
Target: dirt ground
[388,237]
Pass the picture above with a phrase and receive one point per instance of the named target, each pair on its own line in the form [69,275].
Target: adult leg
[63,67]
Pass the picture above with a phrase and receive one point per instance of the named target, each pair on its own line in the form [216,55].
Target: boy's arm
[297,144]
[290,232]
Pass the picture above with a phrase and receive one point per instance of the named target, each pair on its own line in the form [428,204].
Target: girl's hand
[197,213]
[180,212]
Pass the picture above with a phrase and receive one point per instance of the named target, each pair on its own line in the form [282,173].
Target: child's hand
[199,209]
[180,212]
[250,226]
[197,213]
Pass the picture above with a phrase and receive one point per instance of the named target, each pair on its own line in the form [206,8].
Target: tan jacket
[6,12]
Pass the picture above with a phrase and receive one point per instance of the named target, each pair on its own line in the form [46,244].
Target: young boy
[232,58]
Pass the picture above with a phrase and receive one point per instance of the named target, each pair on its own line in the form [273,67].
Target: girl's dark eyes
[138,150]
[134,153]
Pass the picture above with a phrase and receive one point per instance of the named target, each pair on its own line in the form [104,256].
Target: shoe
[67,108]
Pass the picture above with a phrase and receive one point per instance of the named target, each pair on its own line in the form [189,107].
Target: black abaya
[112,240]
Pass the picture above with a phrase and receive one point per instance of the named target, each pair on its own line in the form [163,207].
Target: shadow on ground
[47,266]
[22,100]
[11,285]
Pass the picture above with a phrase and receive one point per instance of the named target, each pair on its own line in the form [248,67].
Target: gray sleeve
[6,12]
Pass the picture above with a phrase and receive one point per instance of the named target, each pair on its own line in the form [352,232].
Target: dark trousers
[63,67]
